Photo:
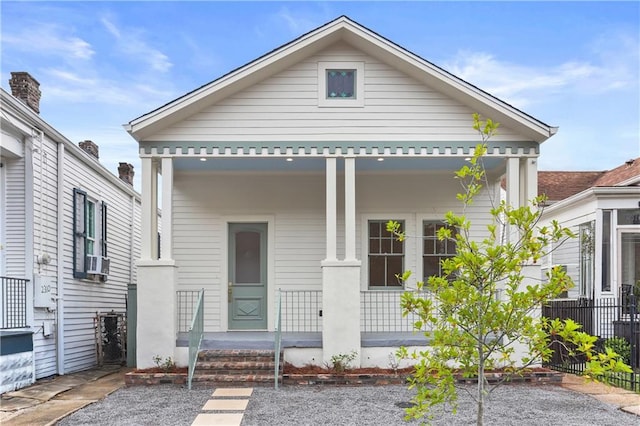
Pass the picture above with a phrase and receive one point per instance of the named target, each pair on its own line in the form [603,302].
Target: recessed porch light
[380,159]
[203,159]
[289,159]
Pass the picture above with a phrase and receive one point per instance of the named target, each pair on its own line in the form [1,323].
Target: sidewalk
[49,400]
[626,400]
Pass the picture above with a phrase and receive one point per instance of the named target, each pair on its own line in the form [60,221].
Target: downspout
[131,238]
[60,262]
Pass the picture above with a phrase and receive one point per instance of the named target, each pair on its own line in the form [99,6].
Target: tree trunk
[481,387]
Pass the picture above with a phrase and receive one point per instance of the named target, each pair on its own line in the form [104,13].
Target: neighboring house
[603,210]
[281,175]
[69,230]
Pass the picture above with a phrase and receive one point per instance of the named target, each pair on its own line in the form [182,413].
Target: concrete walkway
[626,400]
[49,400]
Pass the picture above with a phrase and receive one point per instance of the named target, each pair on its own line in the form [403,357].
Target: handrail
[196,332]
[278,337]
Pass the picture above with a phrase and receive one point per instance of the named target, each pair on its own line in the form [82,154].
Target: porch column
[513,182]
[529,187]
[156,278]
[149,231]
[332,222]
[513,192]
[340,278]
[350,208]
[166,242]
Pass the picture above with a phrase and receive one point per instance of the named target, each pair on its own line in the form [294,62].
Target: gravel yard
[508,405]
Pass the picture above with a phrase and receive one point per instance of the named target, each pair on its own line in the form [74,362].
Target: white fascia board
[598,193]
[29,117]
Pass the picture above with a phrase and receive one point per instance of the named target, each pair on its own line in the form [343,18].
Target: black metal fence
[13,299]
[616,323]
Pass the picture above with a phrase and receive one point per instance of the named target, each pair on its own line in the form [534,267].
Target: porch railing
[187,301]
[380,312]
[278,338]
[301,311]
[196,331]
[14,303]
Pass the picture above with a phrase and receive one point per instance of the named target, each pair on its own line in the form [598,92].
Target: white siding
[84,298]
[284,107]
[203,202]
[15,222]
[45,240]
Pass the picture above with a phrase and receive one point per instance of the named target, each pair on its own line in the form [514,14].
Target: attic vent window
[341,84]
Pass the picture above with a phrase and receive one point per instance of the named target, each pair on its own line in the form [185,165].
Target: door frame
[622,229]
[224,267]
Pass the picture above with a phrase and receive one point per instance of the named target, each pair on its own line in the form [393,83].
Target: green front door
[247,286]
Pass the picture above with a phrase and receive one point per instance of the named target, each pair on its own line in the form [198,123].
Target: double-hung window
[386,255]
[434,251]
[89,237]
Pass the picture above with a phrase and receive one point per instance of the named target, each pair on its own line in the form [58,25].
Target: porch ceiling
[317,164]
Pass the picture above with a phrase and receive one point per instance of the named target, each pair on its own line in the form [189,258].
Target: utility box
[43,291]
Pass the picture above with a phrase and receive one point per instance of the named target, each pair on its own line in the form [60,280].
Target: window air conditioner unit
[104,270]
[94,264]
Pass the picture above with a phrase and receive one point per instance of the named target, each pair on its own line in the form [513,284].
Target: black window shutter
[79,233]
[104,229]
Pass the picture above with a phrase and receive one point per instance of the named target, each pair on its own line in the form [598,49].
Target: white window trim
[323,101]
[419,271]
[410,262]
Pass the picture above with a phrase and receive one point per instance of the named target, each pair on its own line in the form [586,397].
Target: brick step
[236,355]
[234,378]
[231,365]
[236,367]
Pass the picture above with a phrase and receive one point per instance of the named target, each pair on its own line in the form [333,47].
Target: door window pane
[247,257]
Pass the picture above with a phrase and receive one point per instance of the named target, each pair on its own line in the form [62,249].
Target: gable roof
[360,37]
[562,184]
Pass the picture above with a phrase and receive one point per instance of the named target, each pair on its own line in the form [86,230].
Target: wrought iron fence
[13,302]
[607,318]
[301,311]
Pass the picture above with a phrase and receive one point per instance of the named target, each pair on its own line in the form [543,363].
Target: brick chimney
[125,172]
[26,88]
[90,147]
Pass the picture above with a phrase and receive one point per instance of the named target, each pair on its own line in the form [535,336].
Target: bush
[620,346]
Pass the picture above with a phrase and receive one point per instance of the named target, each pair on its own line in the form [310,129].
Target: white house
[69,230]
[603,210]
[281,175]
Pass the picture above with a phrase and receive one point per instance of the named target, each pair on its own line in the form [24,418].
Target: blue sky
[101,64]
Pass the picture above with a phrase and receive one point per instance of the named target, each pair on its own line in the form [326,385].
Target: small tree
[483,306]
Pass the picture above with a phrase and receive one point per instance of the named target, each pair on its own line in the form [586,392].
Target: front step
[237,367]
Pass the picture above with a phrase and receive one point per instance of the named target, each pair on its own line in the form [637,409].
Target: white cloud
[604,71]
[131,43]
[48,40]
[73,87]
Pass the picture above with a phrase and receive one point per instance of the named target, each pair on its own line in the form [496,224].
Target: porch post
[332,222]
[166,249]
[530,184]
[513,191]
[149,231]
[156,278]
[350,208]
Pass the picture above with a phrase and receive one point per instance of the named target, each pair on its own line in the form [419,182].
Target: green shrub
[620,346]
